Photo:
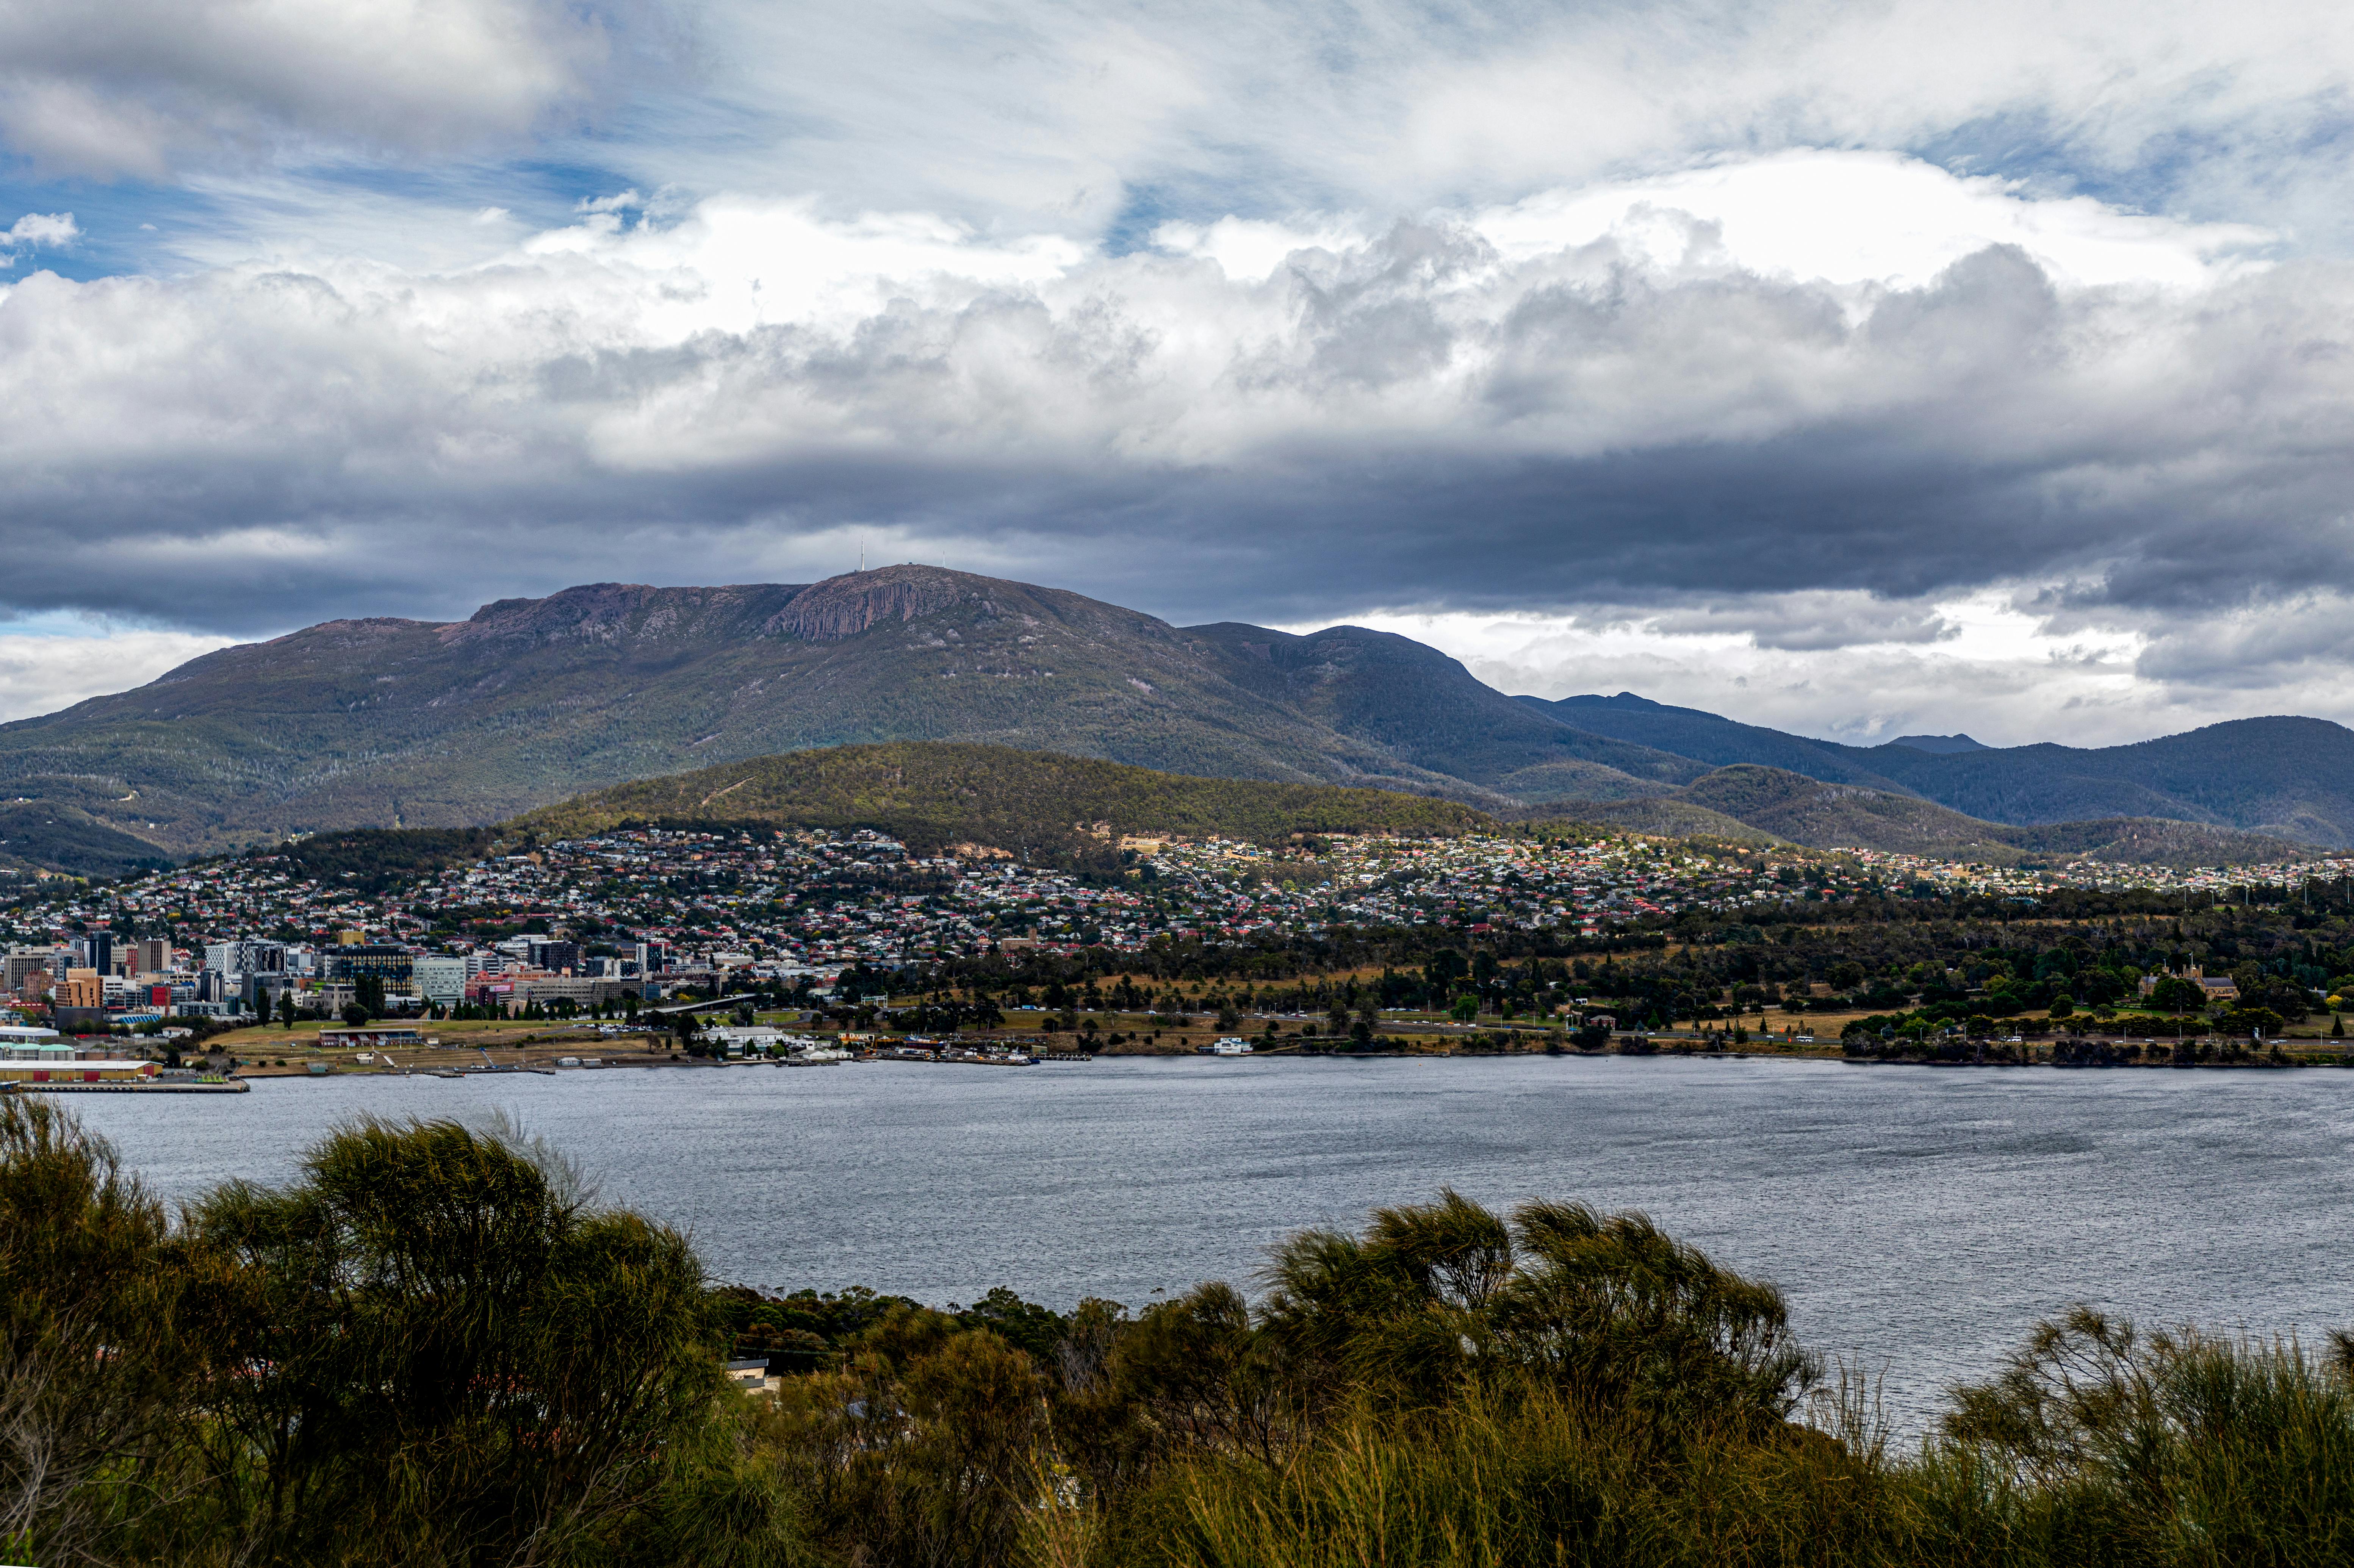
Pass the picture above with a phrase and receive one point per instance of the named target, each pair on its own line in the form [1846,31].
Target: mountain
[1847,816]
[53,838]
[1798,809]
[932,795]
[386,722]
[1661,816]
[2293,777]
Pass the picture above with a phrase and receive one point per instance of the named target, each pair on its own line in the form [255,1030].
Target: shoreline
[345,1075]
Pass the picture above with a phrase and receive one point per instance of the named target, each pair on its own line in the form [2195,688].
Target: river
[1919,1220]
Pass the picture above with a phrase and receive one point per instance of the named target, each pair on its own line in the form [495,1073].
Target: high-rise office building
[246,957]
[381,961]
[547,953]
[23,963]
[439,980]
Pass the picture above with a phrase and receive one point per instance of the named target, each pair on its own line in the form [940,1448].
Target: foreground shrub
[923,1449]
[431,1348]
[89,1392]
[1538,1480]
[2099,1445]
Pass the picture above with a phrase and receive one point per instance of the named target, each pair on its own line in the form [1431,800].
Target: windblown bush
[430,1349]
[88,1296]
[923,1451]
[1603,1309]
[2097,1444]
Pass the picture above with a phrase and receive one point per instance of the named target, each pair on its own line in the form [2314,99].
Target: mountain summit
[388,722]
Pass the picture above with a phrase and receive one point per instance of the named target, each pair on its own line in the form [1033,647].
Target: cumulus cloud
[165,85]
[1992,670]
[35,228]
[1664,403]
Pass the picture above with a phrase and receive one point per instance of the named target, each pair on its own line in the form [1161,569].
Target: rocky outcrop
[858,601]
[626,613]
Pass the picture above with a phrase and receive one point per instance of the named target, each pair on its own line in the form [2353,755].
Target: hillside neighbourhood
[611,925]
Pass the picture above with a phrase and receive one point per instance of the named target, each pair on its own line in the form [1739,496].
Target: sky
[1859,369]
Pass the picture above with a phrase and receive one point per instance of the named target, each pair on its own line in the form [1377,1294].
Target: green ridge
[935,795]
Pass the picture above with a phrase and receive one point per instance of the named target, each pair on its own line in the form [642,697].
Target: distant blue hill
[1720,742]
[2287,776]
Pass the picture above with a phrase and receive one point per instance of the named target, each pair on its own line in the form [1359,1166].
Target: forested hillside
[2293,776]
[60,837]
[1793,807]
[1033,804]
[1719,742]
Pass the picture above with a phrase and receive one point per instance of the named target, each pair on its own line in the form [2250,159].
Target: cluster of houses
[640,915]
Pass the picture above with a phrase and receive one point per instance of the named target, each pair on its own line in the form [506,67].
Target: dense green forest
[2280,775]
[432,1349]
[369,859]
[45,834]
[1755,804]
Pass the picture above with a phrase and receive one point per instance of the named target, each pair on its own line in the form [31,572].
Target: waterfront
[1918,1218]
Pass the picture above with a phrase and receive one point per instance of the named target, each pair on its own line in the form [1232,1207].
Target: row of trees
[1997,968]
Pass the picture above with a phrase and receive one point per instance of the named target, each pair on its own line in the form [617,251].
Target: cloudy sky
[1853,368]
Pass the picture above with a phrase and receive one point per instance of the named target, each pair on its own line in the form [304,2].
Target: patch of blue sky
[1144,208]
[534,194]
[455,215]
[2235,172]
[2027,147]
[1206,198]
[126,226]
[70,624]
[130,227]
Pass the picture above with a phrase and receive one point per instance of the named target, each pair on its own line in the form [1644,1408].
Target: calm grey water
[1918,1219]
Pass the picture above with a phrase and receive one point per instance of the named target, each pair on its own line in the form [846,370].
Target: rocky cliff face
[847,605]
[615,614]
